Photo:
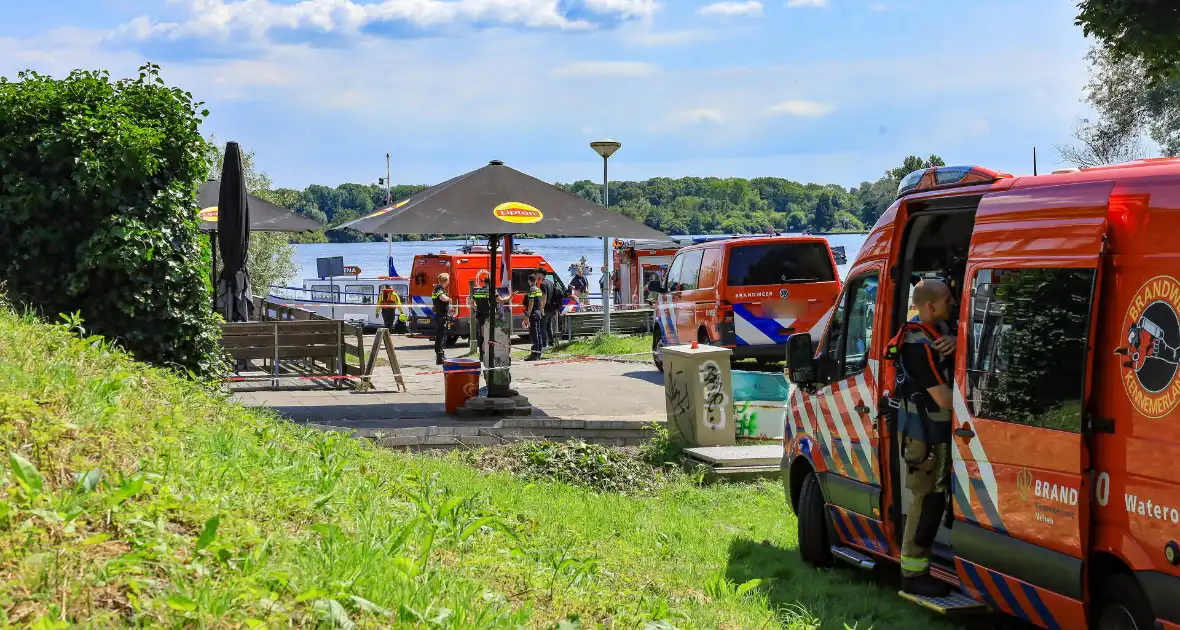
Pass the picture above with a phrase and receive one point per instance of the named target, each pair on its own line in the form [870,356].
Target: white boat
[350,299]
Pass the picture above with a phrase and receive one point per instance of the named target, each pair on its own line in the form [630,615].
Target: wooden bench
[353,336]
[590,323]
[289,347]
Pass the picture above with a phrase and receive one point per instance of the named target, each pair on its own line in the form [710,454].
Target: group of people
[580,287]
[542,302]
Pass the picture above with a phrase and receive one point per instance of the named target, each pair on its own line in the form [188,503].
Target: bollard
[699,395]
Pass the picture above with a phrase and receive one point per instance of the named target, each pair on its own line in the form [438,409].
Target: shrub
[98,210]
[593,466]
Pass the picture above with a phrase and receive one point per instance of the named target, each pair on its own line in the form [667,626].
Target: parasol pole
[494,296]
[213,250]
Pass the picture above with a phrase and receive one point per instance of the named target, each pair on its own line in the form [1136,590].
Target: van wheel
[657,345]
[1123,605]
[451,341]
[813,525]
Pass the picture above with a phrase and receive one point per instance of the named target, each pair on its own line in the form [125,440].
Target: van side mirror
[801,359]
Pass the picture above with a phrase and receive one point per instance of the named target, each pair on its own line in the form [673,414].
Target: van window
[520,279]
[779,263]
[674,273]
[862,308]
[690,273]
[1026,346]
[710,268]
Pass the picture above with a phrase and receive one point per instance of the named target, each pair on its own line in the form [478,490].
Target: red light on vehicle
[1124,208]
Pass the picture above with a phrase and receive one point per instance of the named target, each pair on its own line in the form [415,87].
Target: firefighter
[533,311]
[442,307]
[926,361]
[389,305]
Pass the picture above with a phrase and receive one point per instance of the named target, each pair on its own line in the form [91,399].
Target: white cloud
[213,18]
[800,108]
[647,37]
[692,118]
[606,69]
[751,8]
[792,4]
[878,7]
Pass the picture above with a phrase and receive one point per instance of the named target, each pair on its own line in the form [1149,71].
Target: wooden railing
[308,343]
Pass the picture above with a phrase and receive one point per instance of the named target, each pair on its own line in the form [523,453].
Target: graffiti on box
[759,405]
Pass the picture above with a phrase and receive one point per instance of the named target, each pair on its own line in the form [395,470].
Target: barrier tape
[482,369]
[581,305]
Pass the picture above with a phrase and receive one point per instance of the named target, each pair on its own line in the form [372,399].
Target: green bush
[98,210]
[575,462]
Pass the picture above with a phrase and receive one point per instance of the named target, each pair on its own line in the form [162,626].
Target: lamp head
[605,148]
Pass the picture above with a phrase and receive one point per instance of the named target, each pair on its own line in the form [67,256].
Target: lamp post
[605,148]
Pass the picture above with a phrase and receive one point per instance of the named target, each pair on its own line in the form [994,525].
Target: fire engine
[1064,507]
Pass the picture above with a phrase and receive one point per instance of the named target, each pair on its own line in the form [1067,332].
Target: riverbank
[136,497]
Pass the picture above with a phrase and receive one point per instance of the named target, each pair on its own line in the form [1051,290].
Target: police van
[1064,507]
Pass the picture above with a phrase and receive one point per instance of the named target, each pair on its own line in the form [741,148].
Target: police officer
[442,309]
[533,310]
[549,306]
[927,357]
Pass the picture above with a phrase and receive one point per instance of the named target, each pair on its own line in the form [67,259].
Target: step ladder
[852,556]
[954,603]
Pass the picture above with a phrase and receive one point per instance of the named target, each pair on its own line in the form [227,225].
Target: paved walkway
[630,392]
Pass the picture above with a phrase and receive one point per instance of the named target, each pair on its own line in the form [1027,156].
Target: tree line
[685,205]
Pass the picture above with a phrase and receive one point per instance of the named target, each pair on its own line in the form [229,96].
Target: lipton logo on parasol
[1151,358]
[208,214]
[517,212]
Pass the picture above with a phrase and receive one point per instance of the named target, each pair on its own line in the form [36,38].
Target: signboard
[351,270]
[330,267]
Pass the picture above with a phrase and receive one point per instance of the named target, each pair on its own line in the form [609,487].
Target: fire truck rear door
[1020,462]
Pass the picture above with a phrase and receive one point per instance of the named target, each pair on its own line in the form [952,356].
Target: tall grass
[134,497]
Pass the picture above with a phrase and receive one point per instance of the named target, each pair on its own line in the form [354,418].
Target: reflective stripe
[914,564]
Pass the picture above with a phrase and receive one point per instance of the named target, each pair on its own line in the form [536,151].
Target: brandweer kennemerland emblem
[1152,354]
[1024,483]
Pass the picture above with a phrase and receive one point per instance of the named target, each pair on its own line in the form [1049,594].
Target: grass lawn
[639,346]
[133,497]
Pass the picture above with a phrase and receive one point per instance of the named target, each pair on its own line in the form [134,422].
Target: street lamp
[605,148]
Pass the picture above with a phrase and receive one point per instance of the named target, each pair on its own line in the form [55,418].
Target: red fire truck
[1065,489]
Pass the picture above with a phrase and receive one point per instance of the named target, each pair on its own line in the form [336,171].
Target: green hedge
[98,210]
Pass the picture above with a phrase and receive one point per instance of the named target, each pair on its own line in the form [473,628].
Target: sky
[825,91]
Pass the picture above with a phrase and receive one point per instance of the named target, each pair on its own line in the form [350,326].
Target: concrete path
[628,392]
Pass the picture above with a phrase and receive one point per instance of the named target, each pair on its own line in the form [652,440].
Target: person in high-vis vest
[924,423]
[534,312]
[389,306]
[441,303]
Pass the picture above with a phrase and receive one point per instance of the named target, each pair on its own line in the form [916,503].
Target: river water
[560,252]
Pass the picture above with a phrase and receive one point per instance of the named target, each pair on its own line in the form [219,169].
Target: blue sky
[828,91]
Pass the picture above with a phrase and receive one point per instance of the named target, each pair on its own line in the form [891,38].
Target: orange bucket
[460,382]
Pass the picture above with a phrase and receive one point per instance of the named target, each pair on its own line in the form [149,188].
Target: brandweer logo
[1152,353]
[1024,482]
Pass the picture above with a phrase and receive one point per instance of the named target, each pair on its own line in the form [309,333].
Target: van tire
[1123,606]
[657,342]
[452,340]
[814,546]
